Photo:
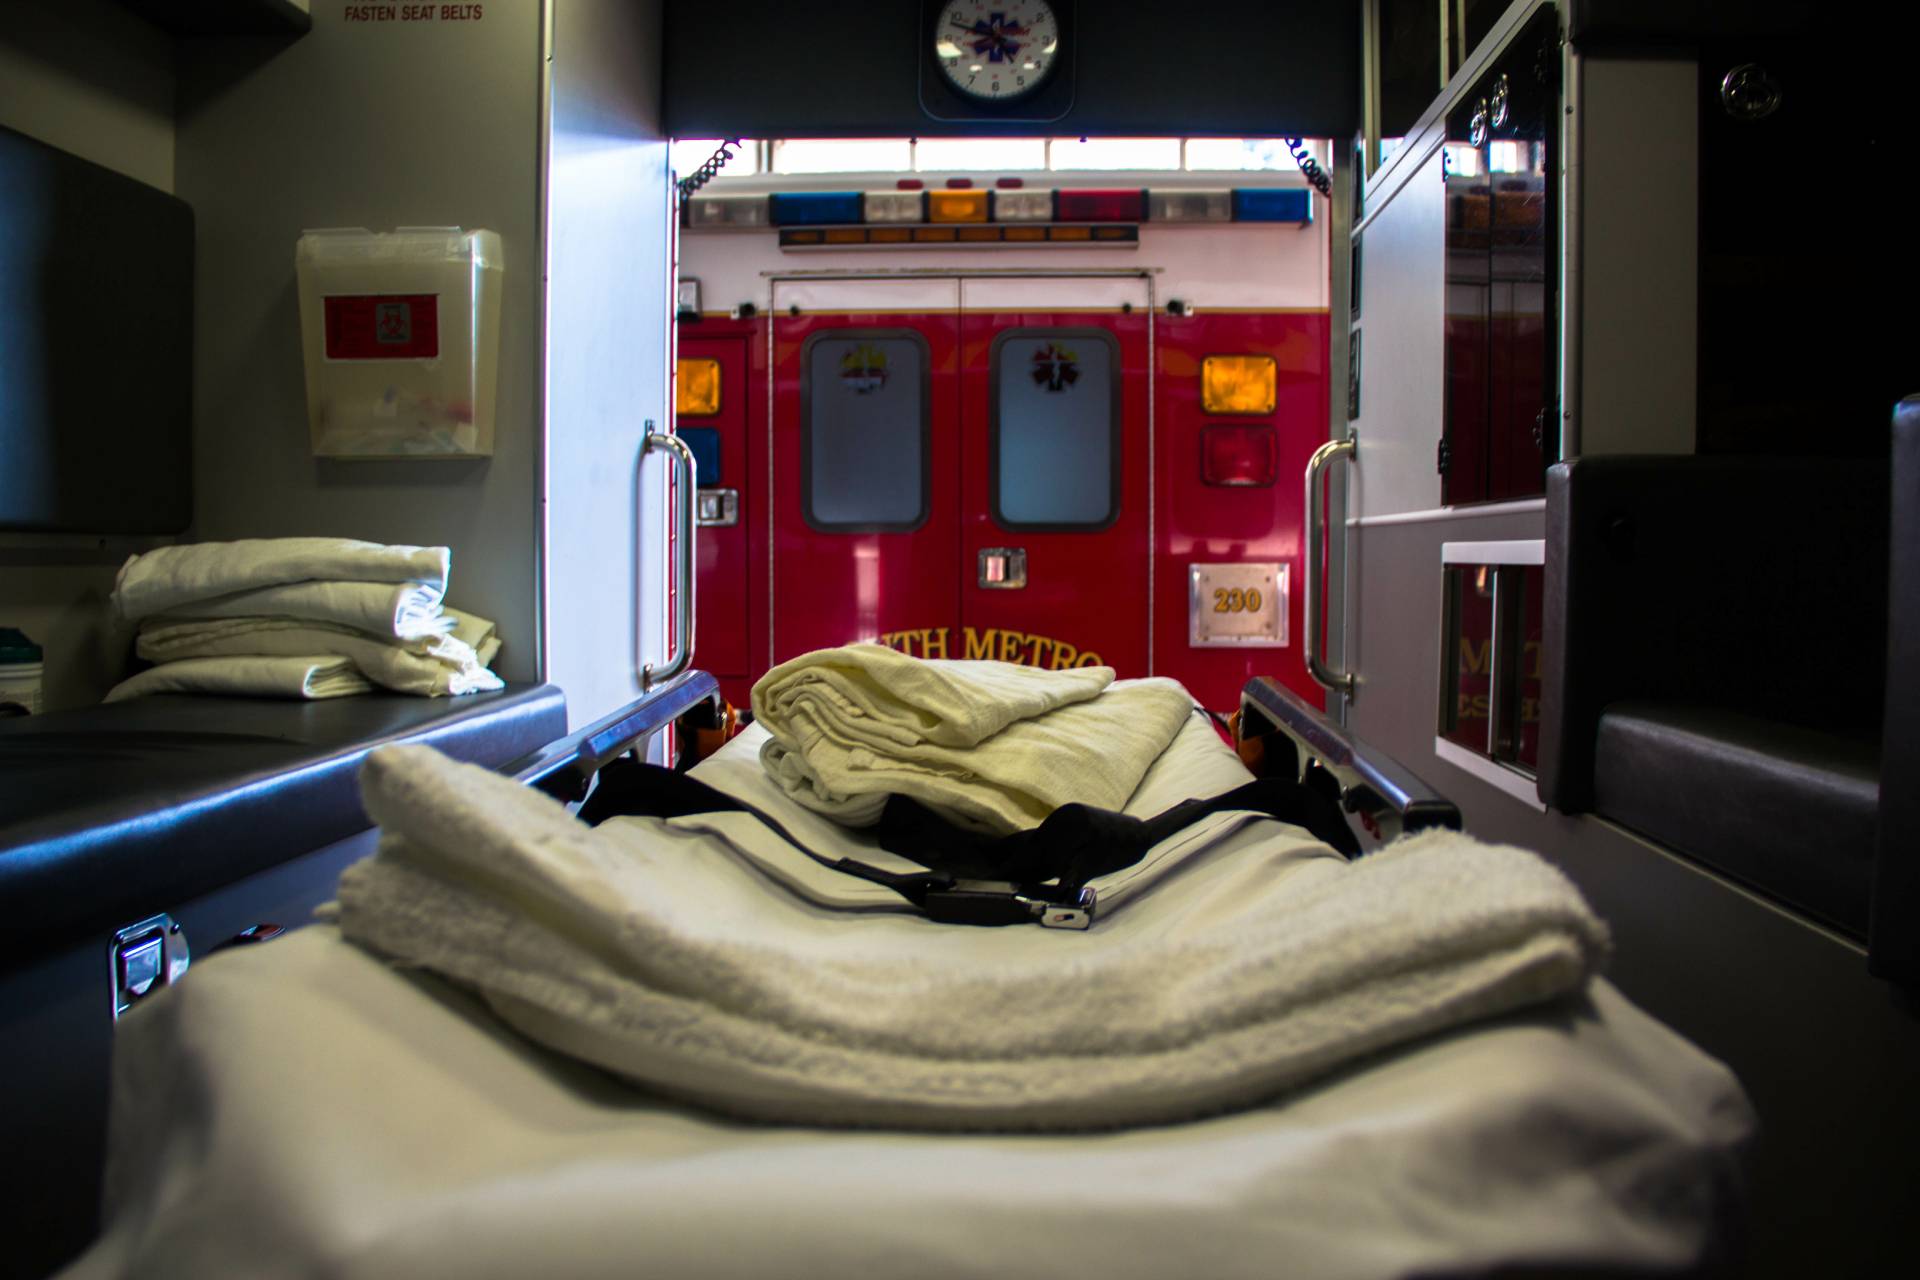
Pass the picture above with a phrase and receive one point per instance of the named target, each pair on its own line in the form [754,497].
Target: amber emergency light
[957,206]
[1238,384]
[699,388]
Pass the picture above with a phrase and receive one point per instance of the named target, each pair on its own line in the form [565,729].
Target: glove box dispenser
[401,332]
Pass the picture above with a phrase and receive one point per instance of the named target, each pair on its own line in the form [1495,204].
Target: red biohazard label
[383,326]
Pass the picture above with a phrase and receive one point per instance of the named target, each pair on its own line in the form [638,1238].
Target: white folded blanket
[289,677]
[170,577]
[399,611]
[1238,979]
[478,634]
[993,745]
[429,667]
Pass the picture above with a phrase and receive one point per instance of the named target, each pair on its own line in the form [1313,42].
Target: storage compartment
[401,332]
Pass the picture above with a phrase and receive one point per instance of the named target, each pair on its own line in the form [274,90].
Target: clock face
[996,50]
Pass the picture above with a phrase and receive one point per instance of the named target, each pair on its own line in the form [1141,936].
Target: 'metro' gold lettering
[980,643]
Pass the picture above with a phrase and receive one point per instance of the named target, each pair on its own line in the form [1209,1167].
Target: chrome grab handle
[1316,506]
[651,675]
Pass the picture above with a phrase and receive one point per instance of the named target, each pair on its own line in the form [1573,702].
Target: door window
[864,430]
[1055,429]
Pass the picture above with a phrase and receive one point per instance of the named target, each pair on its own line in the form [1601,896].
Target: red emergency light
[1083,205]
[1238,455]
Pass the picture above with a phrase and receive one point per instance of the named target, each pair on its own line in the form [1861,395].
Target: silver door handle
[1316,505]
[651,675]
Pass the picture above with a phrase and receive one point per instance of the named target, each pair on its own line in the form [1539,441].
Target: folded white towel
[475,632]
[993,745]
[170,577]
[644,949]
[428,667]
[290,677]
[399,611]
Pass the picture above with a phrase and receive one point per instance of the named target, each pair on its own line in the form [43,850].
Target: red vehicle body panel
[1088,592]
[720,551]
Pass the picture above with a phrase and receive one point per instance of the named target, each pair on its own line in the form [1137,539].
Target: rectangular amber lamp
[1238,384]
[698,382]
[957,206]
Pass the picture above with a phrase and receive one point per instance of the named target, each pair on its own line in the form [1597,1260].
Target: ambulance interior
[1458,403]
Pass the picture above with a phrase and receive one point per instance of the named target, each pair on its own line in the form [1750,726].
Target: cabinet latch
[146,956]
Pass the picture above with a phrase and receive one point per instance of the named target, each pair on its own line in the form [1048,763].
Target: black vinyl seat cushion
[112,811]
[1786,809]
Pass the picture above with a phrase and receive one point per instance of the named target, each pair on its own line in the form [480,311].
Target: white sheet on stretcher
[303,1108]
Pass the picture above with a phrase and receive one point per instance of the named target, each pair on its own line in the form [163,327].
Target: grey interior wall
[89,77]
[607,307]
[374,125]
[93,79]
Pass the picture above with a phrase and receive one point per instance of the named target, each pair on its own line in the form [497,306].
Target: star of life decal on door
[863,370]
[1055,368]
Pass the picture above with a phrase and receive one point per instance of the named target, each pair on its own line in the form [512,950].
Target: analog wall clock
[997,59]
[996,50]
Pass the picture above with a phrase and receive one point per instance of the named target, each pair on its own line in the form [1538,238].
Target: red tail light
[1238,455]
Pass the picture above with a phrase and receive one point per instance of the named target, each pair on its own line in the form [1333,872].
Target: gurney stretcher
[307,1107]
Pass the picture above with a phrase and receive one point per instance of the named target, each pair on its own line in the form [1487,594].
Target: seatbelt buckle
[1000,902]
[1077,914]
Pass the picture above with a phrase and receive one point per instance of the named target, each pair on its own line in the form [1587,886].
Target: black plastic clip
[998,902]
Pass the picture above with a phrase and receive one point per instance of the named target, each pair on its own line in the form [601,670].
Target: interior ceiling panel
[757,68]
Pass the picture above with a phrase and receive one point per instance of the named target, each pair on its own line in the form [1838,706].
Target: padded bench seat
[110,812]
[1787,809]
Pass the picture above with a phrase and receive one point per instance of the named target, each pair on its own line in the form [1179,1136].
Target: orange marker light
[957,206]
[699,388]
[1238,384]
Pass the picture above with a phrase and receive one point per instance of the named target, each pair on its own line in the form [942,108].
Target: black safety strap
[1036,875]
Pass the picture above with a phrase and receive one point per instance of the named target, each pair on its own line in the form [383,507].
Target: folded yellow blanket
[992,745]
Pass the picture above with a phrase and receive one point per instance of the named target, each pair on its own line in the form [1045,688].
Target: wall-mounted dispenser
[401,331]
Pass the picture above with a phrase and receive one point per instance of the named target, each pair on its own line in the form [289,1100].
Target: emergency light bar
[815,208]
[957,206]
[1190,206]
[971,233]
[1272,204]
[912,215]
[1023,206]
[1082,205]
[894,206]
[728,211]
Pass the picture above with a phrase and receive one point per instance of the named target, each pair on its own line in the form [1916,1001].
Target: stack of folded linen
[300,618]
[990,745]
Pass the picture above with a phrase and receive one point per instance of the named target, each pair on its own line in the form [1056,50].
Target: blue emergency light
[1272,204]
[816,208]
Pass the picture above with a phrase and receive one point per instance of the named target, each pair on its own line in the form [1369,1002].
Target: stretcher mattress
[306,1108]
